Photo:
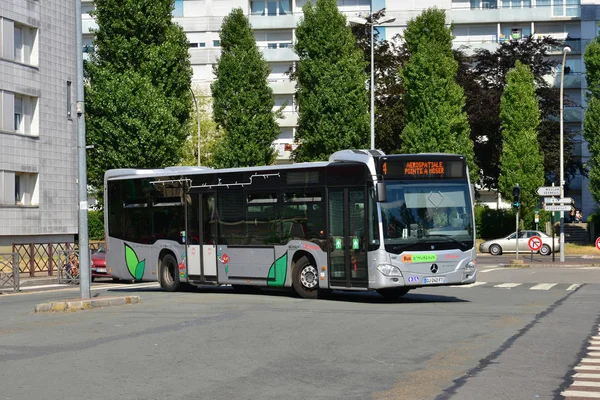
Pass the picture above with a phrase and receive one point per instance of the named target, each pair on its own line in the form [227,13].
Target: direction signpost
[555,203]
[548,191]
[557,208]
[556,200]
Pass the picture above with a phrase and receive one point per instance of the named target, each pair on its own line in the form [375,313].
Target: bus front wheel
[169,273]
[306,278]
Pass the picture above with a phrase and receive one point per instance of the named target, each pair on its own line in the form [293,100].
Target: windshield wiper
[460,243]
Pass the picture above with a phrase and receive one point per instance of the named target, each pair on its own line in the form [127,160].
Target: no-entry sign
[534,243]
[598,243]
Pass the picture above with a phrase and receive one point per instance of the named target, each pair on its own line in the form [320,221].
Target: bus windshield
[426,216]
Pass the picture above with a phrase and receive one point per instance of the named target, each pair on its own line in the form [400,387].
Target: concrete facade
[38,127]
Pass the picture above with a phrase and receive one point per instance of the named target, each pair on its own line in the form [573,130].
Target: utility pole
[85,270]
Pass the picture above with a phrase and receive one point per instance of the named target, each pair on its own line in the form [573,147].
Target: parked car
[508,244]
[99,264]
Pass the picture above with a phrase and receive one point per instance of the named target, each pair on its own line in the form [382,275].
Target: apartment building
[38,128]
[477,23]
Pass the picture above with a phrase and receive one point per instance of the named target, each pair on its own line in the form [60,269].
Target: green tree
[137,94]
[521,161]
[330,85]
[483,77]
[435,120]
[591,123]
[242,99]
[209,135]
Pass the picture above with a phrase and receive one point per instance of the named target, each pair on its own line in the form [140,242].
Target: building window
[271,7]
[216,43]
[178,10]
[18,188]
[18,44]
[20,115]
[193,45]
[25,48]
[18,111]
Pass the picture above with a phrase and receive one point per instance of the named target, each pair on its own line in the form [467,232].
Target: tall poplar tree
[137,91]
[434,115]
[242,99]
[521,160]
[331,93]
[591,122]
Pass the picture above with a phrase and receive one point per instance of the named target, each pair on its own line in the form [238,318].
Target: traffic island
[517,264]
[85,304]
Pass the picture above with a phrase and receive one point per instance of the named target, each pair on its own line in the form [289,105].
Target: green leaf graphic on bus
[134,265]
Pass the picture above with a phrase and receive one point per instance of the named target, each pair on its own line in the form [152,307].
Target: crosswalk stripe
[595,348]
[573,286]
[586,384]
[591,360]
[587,368]
[543,286]
[580,393]
[584,375]
[508,285]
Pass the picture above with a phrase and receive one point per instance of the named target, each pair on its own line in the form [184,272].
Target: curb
[77,305]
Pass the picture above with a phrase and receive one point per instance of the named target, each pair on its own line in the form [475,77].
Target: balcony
[283,86]
[279,54]
[288,21]
[489,12]
[290,119]
[572,80]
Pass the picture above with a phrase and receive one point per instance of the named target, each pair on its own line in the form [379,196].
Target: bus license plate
[434,279]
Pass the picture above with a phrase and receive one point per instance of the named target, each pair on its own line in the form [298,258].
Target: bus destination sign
[422,169]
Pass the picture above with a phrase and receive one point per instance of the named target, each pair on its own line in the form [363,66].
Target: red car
[99,264]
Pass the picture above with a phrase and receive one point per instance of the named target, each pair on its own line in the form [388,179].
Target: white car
[508,244]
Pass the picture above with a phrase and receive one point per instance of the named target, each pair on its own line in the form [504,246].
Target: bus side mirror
[381,194]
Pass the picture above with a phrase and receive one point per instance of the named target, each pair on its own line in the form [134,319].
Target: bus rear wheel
[169,273]
[306,278]
[393,293]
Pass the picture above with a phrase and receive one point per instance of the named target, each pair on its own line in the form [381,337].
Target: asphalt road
[479,342]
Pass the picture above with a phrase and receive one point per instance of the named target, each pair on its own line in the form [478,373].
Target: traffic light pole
[517,233]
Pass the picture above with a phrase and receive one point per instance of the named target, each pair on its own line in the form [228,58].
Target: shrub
[96,225]
[491,223]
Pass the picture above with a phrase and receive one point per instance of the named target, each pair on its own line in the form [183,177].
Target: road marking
[582,375]
[43,286]
[594,348]
[590,360]
[508,285]
[586,383]
[543,286]
[481,271]
[588,367]
[580,393]
[469,285]
[573,286]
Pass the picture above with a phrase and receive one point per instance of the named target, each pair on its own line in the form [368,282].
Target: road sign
[534,243]
[548,191]
[557,208]
[556,200]
[598,243]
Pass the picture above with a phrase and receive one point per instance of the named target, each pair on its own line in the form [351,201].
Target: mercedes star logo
[434,268]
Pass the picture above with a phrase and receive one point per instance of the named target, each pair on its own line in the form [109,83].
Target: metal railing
[9,271]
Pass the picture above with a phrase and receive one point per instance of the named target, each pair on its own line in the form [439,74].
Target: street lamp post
[198,124]
[562,158]
[372,20]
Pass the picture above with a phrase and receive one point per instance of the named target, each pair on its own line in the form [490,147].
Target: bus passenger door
[201,253]
[347,238]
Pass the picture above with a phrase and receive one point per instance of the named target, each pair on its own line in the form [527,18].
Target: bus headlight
[389,270]
[470,267]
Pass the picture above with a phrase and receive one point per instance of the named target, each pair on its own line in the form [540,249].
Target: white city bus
[361,221]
